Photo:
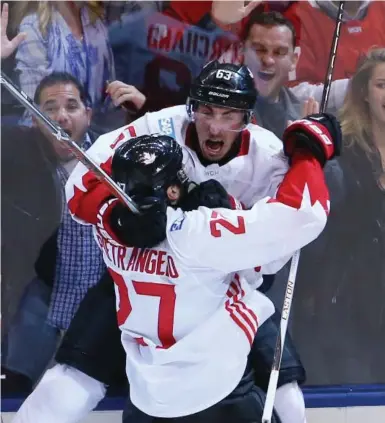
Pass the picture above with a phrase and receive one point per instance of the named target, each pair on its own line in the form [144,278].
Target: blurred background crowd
[121,59]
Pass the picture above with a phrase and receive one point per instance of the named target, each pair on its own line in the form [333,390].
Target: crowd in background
[122,59]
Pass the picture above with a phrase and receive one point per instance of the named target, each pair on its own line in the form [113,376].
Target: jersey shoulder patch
[175,219]
[168,121]
[177,225]
[166,126]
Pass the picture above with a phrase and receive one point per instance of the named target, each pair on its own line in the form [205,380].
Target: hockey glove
[143,230]
[320,134]
[210,194]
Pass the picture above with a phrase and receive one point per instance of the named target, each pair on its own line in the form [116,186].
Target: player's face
[269,53]
[217,129]
[376,94]
[62,103]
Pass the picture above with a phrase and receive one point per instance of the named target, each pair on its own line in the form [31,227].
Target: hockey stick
[63,137]
[273,380]
[332,58]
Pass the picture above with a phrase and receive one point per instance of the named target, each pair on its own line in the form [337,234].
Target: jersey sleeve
[85,193]
[277,166]
[275,266]
[271,230]
[270,165]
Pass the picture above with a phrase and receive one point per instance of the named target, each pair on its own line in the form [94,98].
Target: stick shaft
[273,380]
[332,58]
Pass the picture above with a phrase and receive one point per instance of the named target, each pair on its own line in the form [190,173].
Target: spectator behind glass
[362,28]
[160,53]
[269,52]
[345,301]
[363,115]
[29,207]
[69,262]
[114,9]
[11,110]
[64,36]
[228,15]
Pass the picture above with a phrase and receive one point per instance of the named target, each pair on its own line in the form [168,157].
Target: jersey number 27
[166,295]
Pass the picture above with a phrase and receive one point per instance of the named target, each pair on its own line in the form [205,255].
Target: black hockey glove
[320,134]
[143,230]
[210,194]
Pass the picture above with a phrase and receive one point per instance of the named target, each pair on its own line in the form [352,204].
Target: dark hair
[269,19]
[56,78]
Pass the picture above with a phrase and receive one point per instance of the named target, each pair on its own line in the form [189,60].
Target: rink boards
[342,404]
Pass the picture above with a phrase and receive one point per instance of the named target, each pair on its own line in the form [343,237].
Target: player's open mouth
[214,147]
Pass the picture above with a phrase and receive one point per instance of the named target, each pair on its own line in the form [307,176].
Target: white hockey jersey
[255,173]
[188,316]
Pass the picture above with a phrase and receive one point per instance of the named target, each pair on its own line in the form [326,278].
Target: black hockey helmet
[147,165]
[223,85]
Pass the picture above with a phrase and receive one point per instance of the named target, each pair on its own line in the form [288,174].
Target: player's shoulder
[178,221]
[182,231]
[175,219]
[263,141]
[177,232]
[112,136]
[168,121]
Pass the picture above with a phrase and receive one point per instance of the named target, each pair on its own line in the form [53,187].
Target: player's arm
[274,164]
[274,227]
[85,193]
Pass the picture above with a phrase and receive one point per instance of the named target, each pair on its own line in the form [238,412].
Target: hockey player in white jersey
[216,126]
[251,165]
[183,308]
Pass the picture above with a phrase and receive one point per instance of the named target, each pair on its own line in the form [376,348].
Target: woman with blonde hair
[65,36]
[344,284]
[363,114]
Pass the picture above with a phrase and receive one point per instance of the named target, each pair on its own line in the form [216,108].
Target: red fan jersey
[357,37]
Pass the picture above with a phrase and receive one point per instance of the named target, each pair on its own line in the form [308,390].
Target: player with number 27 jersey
[183,307]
